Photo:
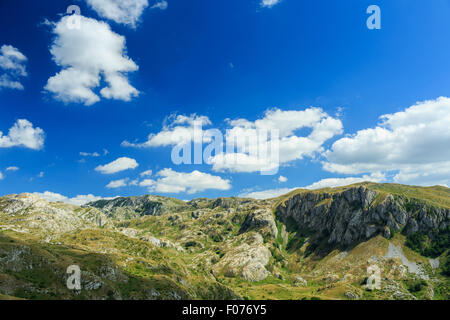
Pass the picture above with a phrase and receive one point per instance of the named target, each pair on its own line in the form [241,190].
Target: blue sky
[219,60]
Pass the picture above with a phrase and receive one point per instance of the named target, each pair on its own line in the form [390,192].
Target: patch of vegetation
[279,241]
[446,265]
[415,285]
[294,243]
[436,195]
[442,290]
[429,246]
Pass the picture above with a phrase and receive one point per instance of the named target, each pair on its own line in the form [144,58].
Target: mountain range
[362,241]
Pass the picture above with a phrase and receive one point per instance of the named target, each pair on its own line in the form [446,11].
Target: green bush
[415,285]
[446,265]
[430,246]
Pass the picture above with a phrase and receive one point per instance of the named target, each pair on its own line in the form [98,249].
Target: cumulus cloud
[243,162]
[23,134]
[12,64]
[121,164]
[269,3]
[147,183]
[339,182]
[290,143]
[127,12]
[426,174]
[266,194]
[324,183]
[79,200]
[175,182]
[87,55]
[282,179]
[117,184]
[250,146]
[177,130]
[414,144]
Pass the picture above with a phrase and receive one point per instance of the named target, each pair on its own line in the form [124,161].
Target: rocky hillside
[360,213]
[305,245]
[133,207]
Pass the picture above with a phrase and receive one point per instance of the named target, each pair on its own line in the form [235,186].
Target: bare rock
[260,219]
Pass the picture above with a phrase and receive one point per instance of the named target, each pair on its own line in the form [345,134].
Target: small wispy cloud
[269,3]
[117,184]
[160,5]
[88,154]
[121,164]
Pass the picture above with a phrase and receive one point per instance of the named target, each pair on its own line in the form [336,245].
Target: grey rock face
[247,261]
[351,295]
[134,207]
[227,203]
[396,252]
[33,214]
[260,219]
[355,215]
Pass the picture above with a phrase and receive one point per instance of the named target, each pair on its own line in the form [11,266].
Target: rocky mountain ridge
[360,213]
[306,244]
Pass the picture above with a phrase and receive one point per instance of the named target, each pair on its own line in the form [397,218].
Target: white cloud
[269,3]
[12,59]
[282,179]
[178,130]
[324,183]
[121,164]
[78,200]
[147,183]
[7,82]
[87,55]
[12,169]
[241,162]
[176,182]
[41,174]
[23,134]
[12,62]
[1,176]
[117,184]
[426,174]
[248,155]
[266,194]
[292,145]
[146,173]
[160,5]
[134,182]
[415,143]
[127,12]
[88,154]
[339,182]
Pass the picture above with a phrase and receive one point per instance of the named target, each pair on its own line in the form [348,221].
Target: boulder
[299,281]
